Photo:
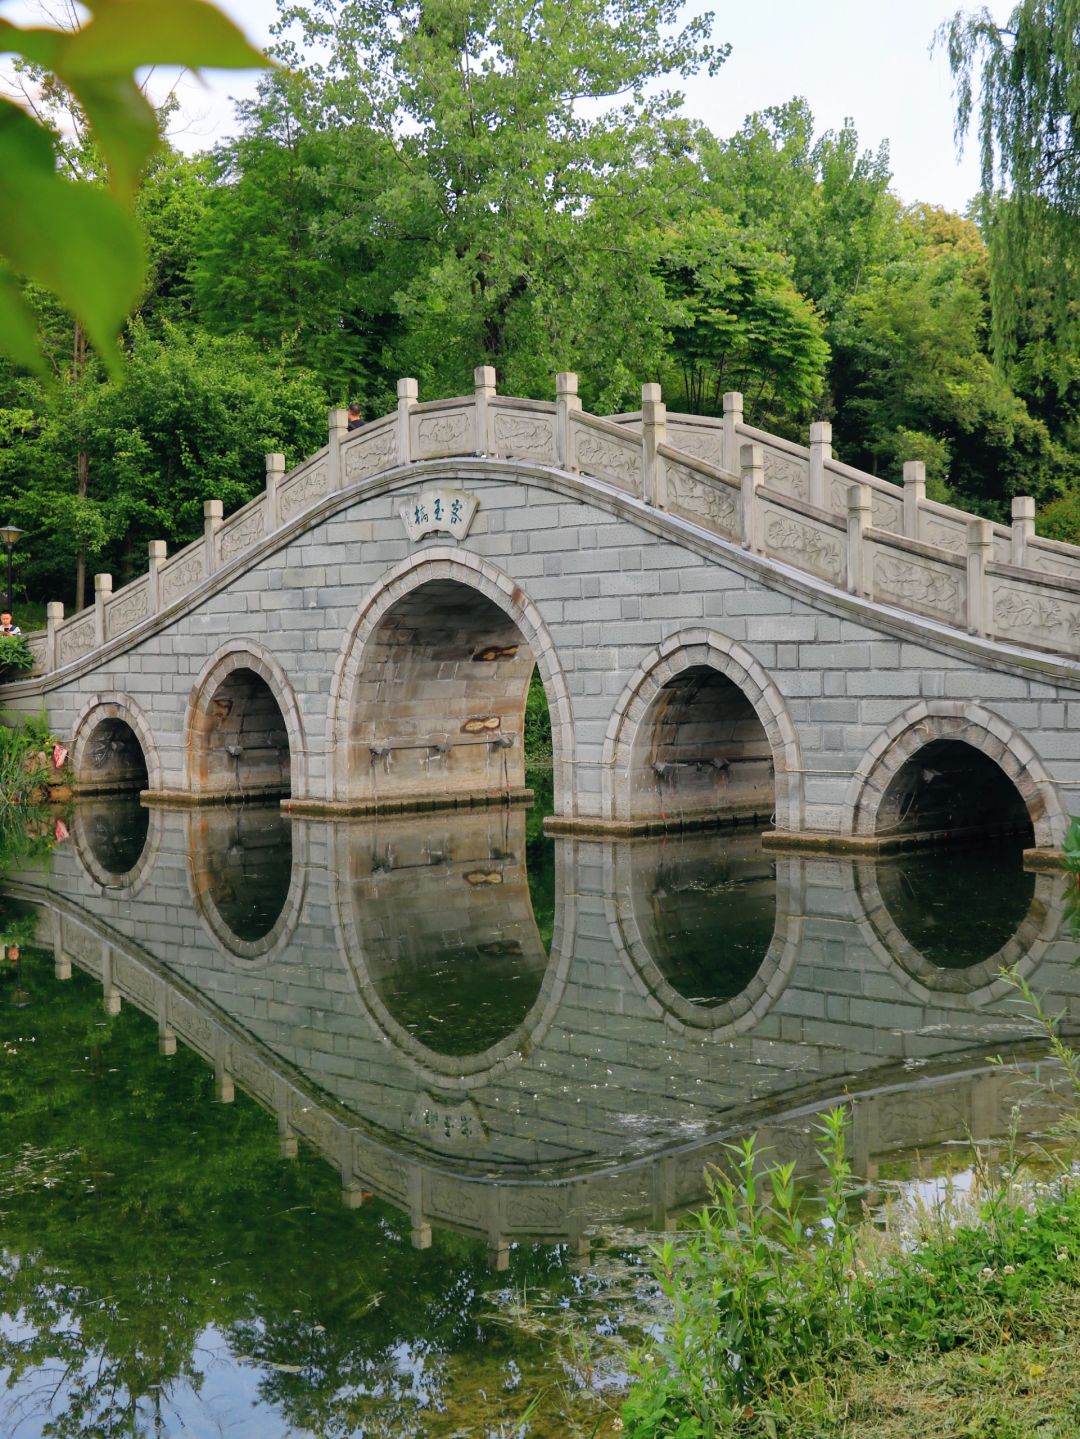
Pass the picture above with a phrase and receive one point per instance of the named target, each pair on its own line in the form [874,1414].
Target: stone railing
[791,503]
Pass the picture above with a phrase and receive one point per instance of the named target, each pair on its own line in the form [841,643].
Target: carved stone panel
[703,444]
[253,1075]
[1048,621]
[446,1123]
[237,538]
[886,512]
[804,545]
[446,433]
[458,1202]
[183,574]
[76,640]
[439,511]
[787,473]
[698,498]
[302,492]
[371,454]
[134,980]
[608,458]
[528,437]
[946,534]
[383,1170]
[127,609]
[915,585]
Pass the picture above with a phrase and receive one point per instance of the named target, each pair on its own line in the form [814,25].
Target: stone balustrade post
[567,404]
[820,451]
[110,995]
[733,417]
[337,427]
[859,520]
[752,467]
[102,596]
[156,551]
[484,390]
[420,1225]
[654,434]
[275,471]
[980,551]
[408,392]
[54,618]
[224,1088]
[213,512]
[914,495]
[1023,529]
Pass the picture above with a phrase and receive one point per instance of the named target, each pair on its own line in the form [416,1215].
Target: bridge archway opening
[701,753]
[949,790]
[239,742]
[439,700]
[245,875]
[111,761]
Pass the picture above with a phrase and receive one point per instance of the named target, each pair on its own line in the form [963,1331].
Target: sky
[866,59]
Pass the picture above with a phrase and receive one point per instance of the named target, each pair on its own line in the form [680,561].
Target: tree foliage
[1023,80]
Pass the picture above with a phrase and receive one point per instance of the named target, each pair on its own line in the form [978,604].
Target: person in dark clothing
[356,418]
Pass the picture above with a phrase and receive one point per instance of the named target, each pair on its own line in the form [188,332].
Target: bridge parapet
[792,504]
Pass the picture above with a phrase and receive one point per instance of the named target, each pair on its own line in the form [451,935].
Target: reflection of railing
[791,503]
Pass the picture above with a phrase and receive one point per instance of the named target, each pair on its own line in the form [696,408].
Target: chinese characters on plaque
[449,511]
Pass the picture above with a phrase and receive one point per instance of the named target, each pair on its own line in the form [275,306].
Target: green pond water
[348,1129]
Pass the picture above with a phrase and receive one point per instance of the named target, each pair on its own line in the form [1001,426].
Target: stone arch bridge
[728,626]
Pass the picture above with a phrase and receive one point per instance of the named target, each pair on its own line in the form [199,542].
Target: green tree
[914,379]
[739,323]
[523,173]
[1023,78]
[191,419]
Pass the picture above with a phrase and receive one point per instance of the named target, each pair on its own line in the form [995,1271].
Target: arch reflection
[708,924]
[113,840]
[438,926]
[246,882]
[953,924]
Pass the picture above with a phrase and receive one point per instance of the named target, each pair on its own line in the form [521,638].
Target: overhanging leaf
[124,34]
[18,327]
[124,124]
[74,239]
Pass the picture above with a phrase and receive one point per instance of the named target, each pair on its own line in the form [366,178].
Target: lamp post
[10,535]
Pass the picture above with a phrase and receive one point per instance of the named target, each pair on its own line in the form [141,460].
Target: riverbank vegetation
[950,1312]
[390,207]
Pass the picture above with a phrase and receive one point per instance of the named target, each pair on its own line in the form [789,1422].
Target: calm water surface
[336,1129]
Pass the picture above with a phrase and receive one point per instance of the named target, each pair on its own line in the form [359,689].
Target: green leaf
[74,239]
[18,328]
[124,124]
[124,34]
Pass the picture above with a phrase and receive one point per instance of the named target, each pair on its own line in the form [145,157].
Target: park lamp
[10,534]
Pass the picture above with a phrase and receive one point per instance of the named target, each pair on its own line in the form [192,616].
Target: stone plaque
[448,511]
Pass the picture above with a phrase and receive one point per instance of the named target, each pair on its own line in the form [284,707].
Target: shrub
[15,656]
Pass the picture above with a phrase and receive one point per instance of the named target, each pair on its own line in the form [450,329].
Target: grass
[817,1318]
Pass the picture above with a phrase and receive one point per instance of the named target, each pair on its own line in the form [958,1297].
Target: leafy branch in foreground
[73,238]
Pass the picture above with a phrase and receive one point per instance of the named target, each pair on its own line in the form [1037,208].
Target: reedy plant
[760,1293]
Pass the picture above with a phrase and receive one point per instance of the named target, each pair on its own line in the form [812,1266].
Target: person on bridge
[356,416]
[8,626]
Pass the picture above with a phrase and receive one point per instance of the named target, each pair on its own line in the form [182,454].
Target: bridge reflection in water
[403,996]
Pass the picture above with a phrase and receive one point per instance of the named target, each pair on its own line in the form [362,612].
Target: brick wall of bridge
[606,599]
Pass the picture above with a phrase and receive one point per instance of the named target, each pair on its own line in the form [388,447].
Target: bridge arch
[391,673]
[940,730]
[113,747]
[243,727]
[728,708]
